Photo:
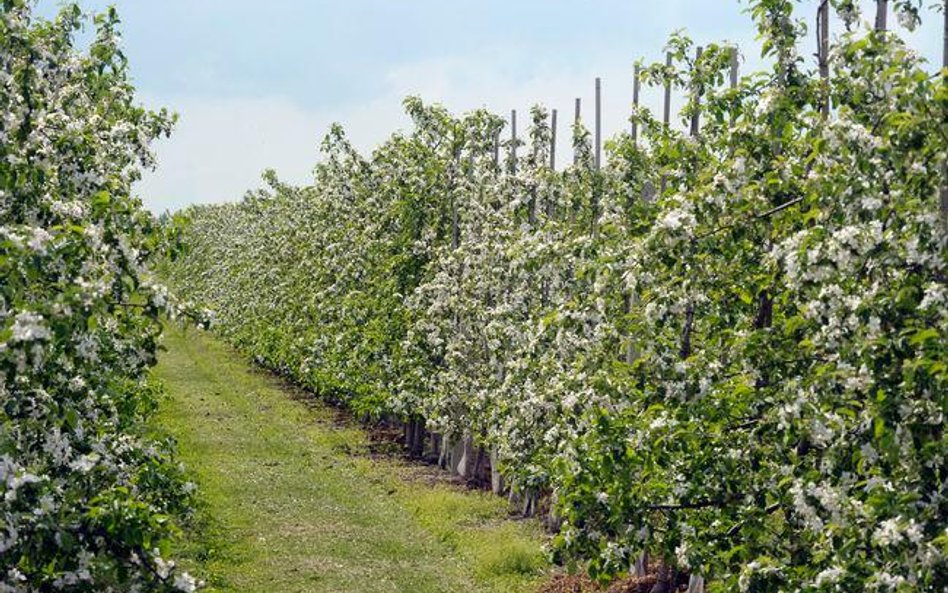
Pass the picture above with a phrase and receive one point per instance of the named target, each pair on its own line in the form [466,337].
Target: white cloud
[222,144]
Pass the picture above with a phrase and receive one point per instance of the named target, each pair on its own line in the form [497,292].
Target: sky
[257,84]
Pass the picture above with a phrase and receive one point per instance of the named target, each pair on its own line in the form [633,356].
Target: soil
[581,584]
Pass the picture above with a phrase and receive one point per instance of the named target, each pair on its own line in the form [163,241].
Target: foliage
[87,501]
[745,376]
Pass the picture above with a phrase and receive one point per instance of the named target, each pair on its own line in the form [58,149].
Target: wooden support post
[576,118]
[596,190]
[635,101]
[695,121]
[647,188]
[497,148]
[455,225]
[823,53]
[666,113]
[690,309]
[598,123]
[944,65]
[513,142]
[734,67]
[553,140]
[882,11]
[550,200]
[455,216]
[734,81]
[630,353]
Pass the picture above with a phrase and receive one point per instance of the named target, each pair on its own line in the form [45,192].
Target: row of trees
[87,500]
[744,375]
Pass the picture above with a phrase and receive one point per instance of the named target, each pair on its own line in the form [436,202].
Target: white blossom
[29,327]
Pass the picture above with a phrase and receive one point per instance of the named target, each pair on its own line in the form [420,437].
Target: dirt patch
[567,583]
[564,583]
[633,585]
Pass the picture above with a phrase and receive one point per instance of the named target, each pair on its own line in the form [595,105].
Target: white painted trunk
[496,479]
[444,457]
[696,584]
[464,457]
[641,565]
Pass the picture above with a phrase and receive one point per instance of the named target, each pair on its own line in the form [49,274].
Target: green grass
[290,502]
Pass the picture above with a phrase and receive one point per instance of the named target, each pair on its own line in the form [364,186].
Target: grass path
[292,503]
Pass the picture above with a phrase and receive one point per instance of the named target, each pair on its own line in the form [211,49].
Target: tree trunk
[641,565]
[462,456]
[436,446]
[496,479]
[667,577]
[417,444]
[686,331]
[444,458]
[696,584]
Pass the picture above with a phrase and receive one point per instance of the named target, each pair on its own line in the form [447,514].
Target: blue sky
[258,83]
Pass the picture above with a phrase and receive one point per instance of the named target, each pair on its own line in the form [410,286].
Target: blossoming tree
[87,501]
